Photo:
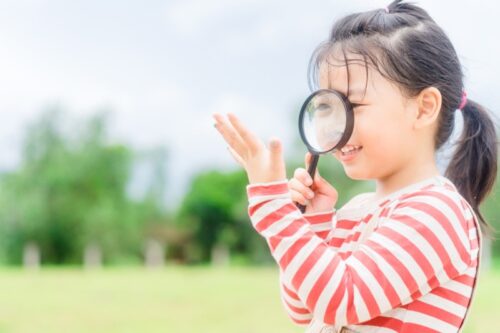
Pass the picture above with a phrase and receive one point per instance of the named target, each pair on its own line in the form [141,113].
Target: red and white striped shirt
[405,263]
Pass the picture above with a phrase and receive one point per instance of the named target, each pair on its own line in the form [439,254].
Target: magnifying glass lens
[324,121]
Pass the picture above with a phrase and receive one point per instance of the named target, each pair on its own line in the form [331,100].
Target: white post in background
[486,254]
[154,254]
[92,257]
[220,255]
[31,256]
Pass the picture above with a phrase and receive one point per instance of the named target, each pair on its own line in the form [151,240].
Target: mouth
[348,152]
[350,149]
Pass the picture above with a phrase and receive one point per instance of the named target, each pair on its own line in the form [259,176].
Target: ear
[428,107]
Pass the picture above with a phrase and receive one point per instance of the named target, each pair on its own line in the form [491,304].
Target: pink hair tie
[464,101]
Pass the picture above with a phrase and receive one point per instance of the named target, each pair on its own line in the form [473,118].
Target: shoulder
[438,195]
[430,223]
[437,206]
[439,214]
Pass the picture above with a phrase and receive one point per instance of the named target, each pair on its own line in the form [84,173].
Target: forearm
[294,307]
[301,255]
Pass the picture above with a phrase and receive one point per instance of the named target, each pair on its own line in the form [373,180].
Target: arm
[422,244]
[294,307]
[321,224]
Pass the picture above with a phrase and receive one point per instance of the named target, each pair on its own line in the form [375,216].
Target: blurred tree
[70,191]
[214,208]
[491,213]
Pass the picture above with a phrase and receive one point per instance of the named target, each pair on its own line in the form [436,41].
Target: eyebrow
[354,92]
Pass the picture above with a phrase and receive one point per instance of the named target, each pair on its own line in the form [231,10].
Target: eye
[323,109]
[355,105]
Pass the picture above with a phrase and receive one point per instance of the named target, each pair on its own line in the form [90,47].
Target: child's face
[382,125]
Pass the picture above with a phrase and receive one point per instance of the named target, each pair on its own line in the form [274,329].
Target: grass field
[175,299]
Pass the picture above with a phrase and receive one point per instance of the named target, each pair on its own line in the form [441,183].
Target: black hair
[406,46]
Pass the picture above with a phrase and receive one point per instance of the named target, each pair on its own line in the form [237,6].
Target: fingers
[249,138]
[318,185]
[232,138]
[262,164]
[298,197]
[299,189]
[303,176]
[236,157]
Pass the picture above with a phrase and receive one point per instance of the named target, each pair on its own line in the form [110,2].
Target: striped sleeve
[294,307]
[421,244]
[321,223]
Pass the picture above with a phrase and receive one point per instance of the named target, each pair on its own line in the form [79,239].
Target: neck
[407,176]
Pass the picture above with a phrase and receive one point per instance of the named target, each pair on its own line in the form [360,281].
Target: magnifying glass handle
[311,170]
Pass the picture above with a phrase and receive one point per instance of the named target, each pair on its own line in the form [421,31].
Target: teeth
[347,149]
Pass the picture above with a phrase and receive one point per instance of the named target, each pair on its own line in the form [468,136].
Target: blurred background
[120,208]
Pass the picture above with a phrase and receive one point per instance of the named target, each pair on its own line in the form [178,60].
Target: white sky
[164,67]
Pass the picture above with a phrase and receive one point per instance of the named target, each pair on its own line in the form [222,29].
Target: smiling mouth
[345,151]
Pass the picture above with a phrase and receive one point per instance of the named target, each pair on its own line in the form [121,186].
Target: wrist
[324,212]
[265,180]
[275,187]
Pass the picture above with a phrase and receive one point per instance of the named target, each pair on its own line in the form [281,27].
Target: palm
[262,164]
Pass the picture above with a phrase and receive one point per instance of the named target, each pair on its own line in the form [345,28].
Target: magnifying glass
[326,122]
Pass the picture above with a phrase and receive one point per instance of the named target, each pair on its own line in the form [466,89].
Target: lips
[348,152]
[348,148]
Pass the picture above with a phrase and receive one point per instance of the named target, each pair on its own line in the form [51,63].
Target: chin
[355,174]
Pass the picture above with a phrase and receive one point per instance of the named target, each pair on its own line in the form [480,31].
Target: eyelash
[355,105]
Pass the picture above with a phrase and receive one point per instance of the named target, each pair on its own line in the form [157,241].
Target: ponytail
[473,166]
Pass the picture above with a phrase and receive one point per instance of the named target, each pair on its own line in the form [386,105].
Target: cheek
[381,136]
[368,129]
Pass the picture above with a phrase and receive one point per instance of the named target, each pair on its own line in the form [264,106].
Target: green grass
[176,299]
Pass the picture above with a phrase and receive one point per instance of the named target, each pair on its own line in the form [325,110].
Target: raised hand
[262,164]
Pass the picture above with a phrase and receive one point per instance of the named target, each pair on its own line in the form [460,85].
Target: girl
[404,258]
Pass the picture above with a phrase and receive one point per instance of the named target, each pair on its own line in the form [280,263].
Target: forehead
[336,72]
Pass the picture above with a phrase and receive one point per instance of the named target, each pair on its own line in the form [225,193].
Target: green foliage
[70,191]
[489,210]
[215,209]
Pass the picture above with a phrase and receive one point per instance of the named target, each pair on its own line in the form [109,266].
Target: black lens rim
[349,126]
